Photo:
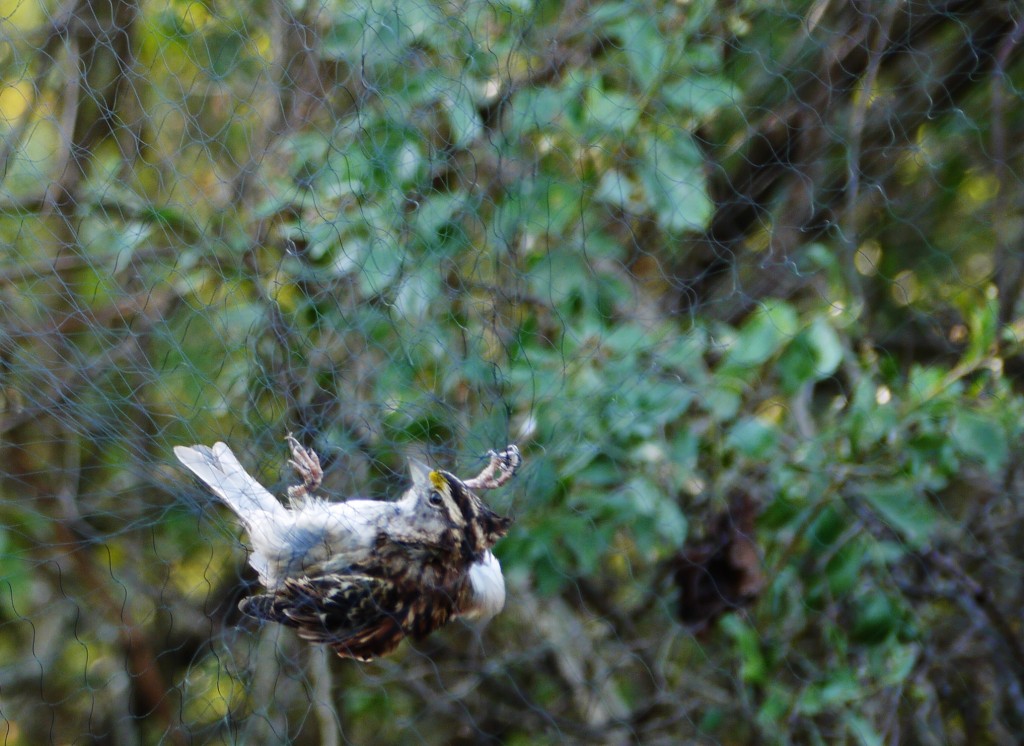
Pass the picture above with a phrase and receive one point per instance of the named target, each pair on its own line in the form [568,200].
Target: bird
[361,575]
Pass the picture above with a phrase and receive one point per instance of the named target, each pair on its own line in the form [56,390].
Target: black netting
[741,279]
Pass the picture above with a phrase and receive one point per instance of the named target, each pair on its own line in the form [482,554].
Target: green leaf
[898,662]
[814,354]
[875,620]
[926,382]
[752,437]
[686,355]
[903,510]
[435,212]
[870,421]
[610,110]
[220,52]
[672,525]
[984,329]
[754,668]
[673,176]
[586,542]
[862,730]
[827,527]
[826,346]
[777,705]
[701,95]
[644,495]
[723,401]
[462,116]
[644,45]
[628,338]
[380,267]
[416,292]
[980,437]
[539,109]
[844,569]
[771,326]
[615,188]
[840,688]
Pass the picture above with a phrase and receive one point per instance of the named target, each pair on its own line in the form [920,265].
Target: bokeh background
[742,279]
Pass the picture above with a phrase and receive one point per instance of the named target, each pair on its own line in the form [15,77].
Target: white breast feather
[488,588]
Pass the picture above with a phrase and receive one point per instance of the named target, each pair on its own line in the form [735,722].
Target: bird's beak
[420,474]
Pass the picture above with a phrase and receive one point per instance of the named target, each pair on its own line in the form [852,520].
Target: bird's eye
[435,498]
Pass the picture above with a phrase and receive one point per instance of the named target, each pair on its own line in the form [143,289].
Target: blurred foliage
[687,254]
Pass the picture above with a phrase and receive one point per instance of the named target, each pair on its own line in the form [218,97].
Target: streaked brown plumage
[362,575]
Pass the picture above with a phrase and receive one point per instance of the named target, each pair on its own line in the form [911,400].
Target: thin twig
[858,116]
[983,598]
[326,710]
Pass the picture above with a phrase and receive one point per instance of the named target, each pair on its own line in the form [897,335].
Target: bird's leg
[502,467]
[306,464]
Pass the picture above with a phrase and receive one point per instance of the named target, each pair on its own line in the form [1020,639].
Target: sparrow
[361,575]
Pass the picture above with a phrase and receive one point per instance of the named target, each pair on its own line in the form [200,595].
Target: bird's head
[443,501]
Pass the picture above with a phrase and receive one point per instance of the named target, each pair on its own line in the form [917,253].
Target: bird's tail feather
[218,468]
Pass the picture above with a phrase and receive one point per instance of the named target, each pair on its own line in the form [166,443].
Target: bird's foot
[502,467]
[306,464]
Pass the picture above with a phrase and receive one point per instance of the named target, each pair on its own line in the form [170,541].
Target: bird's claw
[502,467]
[306,464]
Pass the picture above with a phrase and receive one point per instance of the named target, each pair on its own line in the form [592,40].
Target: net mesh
[741,279]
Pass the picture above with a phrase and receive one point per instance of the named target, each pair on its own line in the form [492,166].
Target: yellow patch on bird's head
[437,479]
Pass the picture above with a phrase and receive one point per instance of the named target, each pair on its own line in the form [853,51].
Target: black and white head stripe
[483,527]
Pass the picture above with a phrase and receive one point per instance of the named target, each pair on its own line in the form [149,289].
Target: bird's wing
[359,616]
